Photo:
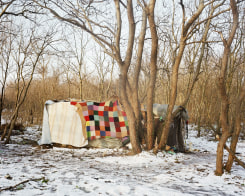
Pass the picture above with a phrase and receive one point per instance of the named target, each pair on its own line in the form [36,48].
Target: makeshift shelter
[101,124]
[77,123]
[177,132]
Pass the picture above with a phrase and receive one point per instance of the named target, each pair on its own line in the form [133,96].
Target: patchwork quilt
[104,119]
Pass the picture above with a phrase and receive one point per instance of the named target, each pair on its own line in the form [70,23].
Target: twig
[23,182]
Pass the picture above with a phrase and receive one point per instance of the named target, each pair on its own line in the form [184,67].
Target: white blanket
[62,124]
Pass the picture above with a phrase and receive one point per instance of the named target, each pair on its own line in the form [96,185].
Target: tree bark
[234,157]
[237,130]
[200,59]
[124,66]
[134,139]
[173,95]
[174,79]
[222,91]
[12,123]
[135,85]
[153,68]
[220,152]
[22,90]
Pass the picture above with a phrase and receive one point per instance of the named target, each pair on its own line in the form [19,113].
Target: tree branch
[23,182]
[235,157]
[4,9]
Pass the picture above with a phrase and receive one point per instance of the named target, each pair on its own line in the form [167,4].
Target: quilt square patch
[90,112]
[101,113]
[96,118]
[113,134]
[102,133]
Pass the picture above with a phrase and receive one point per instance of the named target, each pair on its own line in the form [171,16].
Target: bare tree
[23,8]
[103,68]
[153,67]
[110,37]
[239,99]
[187,30]
[77,62]
[9,11]
[194,73]
[26,59]
[5,61]
[43,70]
[222,89]
[110,79]
[4,6]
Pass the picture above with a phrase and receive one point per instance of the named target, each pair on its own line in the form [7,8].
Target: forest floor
[28,169]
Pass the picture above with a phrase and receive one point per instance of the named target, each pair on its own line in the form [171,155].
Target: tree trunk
[237,131]
[1,110]
[5,131]
[8,126]
[138,118]
[220,152]
[134,139]
[223,114]
[134,99]
[174,80]
[173,96]
[153,67]
[222,91]
[12,123]
[81,89]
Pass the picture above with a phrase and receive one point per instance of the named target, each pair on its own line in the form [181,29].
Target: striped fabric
[62,124]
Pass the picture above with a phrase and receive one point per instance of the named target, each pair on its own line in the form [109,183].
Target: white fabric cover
[62,124]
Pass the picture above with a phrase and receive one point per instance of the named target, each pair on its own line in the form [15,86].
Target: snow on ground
[32,170]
